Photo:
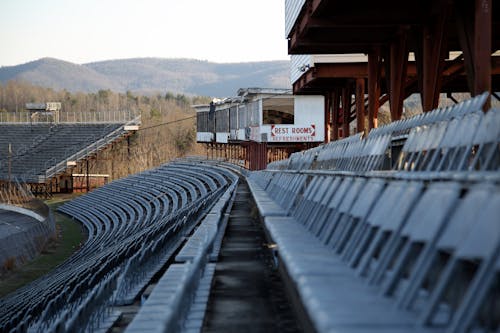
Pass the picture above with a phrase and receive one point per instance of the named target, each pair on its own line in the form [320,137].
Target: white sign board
[293,133]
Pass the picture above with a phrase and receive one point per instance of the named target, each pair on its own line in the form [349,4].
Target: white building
[262,115]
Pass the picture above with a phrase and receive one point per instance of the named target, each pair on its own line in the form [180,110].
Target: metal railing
[85,117]
[52,166]
[94,146]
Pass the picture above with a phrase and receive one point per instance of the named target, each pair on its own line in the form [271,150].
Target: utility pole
[9,172]
[87,177]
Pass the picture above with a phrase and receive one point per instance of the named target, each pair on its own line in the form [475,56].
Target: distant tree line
[15,94]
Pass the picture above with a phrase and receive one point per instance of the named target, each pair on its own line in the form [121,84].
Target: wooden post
[398,70]
[465,29]
[128,155]
[374,67]
[328,116]
[87,176]
[9,174]
[360,105]
[346,110]
[335,109]
[433,47]
[482,49]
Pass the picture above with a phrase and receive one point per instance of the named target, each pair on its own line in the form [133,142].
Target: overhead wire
[165,123]
[183,119]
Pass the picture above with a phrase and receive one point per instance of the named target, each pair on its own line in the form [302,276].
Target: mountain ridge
[151,75]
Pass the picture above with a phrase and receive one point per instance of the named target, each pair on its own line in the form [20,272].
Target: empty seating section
[467,143]
[412,248]
[403,126]
[43,149]
[426,147]
[134,227]
[370,238]
[389,252]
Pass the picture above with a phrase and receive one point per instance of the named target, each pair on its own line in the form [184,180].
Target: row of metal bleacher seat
[465,126]
[134,227]
[458,110]
[369,253]
[21,136]
[178,302]
[467,143]
[414,248]
[38,147]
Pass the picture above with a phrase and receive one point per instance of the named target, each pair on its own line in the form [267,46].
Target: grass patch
[69,237]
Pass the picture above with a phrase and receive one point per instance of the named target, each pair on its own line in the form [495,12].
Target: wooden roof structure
[388,31]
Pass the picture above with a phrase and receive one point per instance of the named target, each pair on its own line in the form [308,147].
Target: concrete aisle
[248,294]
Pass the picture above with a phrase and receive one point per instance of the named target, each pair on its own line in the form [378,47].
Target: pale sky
[82,31]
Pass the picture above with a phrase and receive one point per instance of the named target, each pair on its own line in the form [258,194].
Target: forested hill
[151,75]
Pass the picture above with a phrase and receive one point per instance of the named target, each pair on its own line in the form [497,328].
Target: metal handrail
[93,147]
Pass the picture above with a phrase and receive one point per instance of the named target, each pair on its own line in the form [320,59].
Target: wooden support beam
[482,49]
[374,70]
[434,53]
[87,178]
[335,110]
[328,116]
[465,29]
[360,105]
[398,59]
[346,110]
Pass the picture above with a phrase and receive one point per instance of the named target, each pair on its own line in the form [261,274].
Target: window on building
[222,121]
[233,118]
[242,116]
[278,110]
[253,113]
[202,122]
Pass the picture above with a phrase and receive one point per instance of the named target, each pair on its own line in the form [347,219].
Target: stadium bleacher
[415,248]
[366,241]
[40,150]
[134,225]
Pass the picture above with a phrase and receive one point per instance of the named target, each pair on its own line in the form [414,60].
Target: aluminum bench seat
[284,188]
[203,237]
[265,205]
[333,295]
[167,307]
[419,232]
[129,220]
[187,182]
[340,303]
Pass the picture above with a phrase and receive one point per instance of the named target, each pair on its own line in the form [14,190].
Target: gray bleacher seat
[368,268]
[486,140]
[135,224]
[479,247]
[384,222]
[37,148]
[461,221]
